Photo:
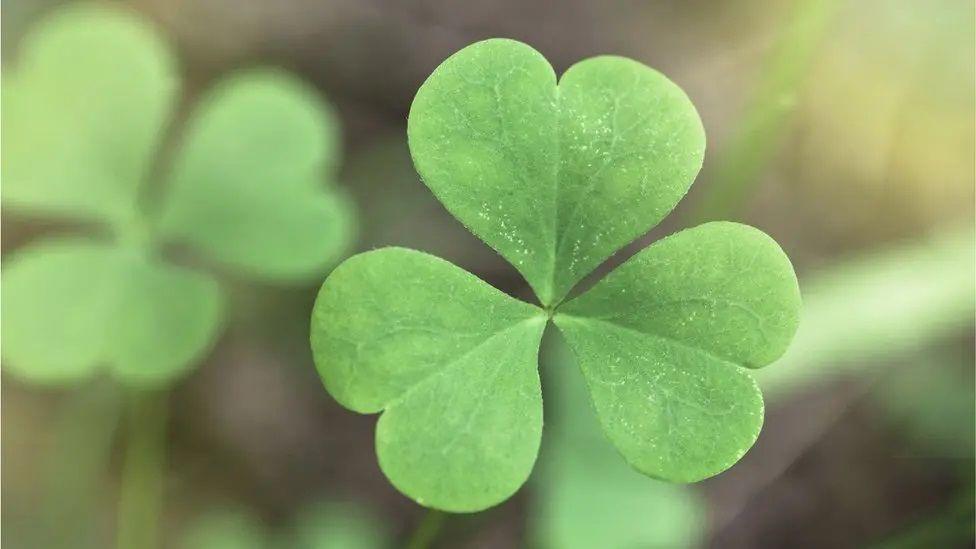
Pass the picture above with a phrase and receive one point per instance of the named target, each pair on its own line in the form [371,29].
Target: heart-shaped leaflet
[555,177]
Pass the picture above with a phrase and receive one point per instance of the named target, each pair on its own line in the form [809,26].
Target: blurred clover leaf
[337,525]
[84,114]
[556,178]
[320,525]
[226,528]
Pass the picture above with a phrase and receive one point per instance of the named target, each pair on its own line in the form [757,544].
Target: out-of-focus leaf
[451,362]
[70,306]
[251,184]
[83,112]
[663,339]
[889,303]
[585,495]
[334,525]
[229,528]
[322,525]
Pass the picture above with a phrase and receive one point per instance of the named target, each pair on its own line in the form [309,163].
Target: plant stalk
[427,531]
[141,492]
[74,467]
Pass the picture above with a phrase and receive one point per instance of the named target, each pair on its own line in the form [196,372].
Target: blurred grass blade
[890,303]
[754,141]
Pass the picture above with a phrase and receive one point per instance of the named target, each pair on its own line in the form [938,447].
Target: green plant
[556,178]
[84,120]
[84,116]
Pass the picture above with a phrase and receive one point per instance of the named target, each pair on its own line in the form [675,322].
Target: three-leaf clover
[555,176]
[84,114]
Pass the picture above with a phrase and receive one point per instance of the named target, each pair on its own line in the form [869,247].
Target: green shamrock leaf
[556,176]
[103,304]
[84,154]
[247,187]
[85,110]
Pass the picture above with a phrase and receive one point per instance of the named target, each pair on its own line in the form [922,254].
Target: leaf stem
[428,529]
[140,499]
[86,428]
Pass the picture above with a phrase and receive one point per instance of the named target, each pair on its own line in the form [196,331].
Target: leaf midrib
[550,300]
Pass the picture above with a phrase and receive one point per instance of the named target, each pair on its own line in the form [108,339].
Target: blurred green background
[843,128]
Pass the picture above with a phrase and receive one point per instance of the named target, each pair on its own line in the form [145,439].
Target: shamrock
[84,115]
[555,177]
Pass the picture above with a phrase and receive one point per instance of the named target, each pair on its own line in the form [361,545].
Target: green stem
[75,465]
[140,500]
[428,529]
